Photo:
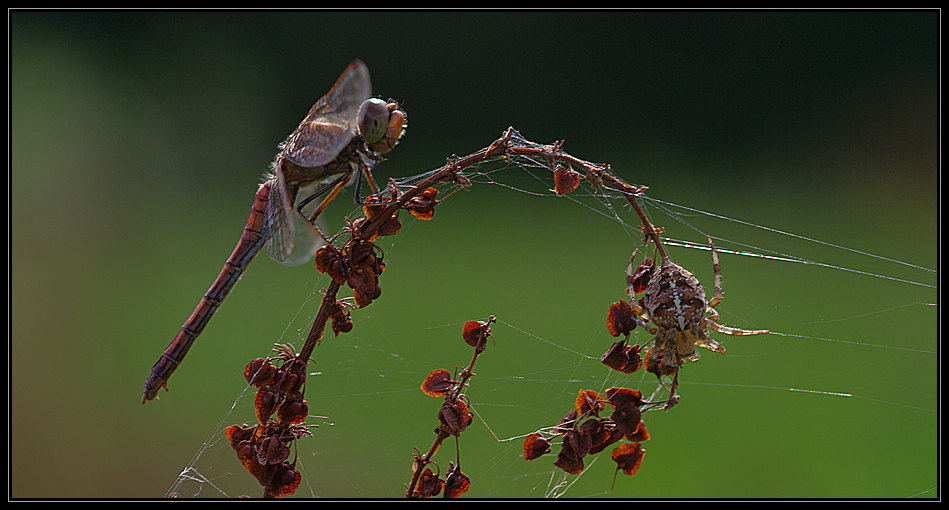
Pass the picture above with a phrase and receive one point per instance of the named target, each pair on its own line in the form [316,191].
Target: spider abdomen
[674,298]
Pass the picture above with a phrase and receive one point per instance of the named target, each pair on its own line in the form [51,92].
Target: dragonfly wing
[327,129]
[290,239]
[332,121]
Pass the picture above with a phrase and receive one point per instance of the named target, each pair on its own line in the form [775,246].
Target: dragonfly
[343,136]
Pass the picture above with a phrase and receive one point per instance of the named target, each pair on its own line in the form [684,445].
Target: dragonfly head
[381,124]
[373,119]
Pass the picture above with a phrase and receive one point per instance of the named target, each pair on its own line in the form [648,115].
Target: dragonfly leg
[366,173]
[336,186]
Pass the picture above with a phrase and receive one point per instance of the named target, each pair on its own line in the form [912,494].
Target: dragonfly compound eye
[373,119]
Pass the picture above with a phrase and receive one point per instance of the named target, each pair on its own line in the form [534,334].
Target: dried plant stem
[420,462]
[327,308]
[648,228]
[453,396]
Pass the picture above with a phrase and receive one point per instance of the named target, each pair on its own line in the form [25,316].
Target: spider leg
[674,393]
[732,331]
[718,276]
[631,267]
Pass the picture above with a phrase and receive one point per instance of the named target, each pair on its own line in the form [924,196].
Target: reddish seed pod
[284,482]
[327,262]
[474,332]
[603,433]
[455,418]
[620,397]
[640,435]
[265,404]
[627,419]
[579,442]
[236,435]
[637,281]
[622,357]
[628,457]
[535,446]
[423,205]
[272,451]
[293,410]
[342,322]
[438,383]
[565,180]
[620,320]
[587,402]
[259,372]
[429,485]
[456,482]
[568,460]
[290,384]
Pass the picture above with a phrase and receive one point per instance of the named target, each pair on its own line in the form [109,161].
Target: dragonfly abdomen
[251,241]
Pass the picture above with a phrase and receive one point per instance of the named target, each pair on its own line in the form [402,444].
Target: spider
[675,302]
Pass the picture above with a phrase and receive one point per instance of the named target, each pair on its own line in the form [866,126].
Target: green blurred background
[139,138]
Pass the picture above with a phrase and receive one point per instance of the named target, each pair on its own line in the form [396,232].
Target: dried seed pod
[284,482]
[579,442]
[454,417]
[605,434]
[619,397]
[456,482]
[327,261]
[637,280]
[565,180]
[429,485]
[588,402]
[627,419]
[628,457]
[293,410]
[475,332]
[239,434]
[535,446]
[438,383]
[422,206]
[342,322]
[259,372]
[640,435]
[620,320]
[569,461]
[266,402]
[272,451]
[622,357]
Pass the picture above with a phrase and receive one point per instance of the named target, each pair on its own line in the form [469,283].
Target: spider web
[840,402]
